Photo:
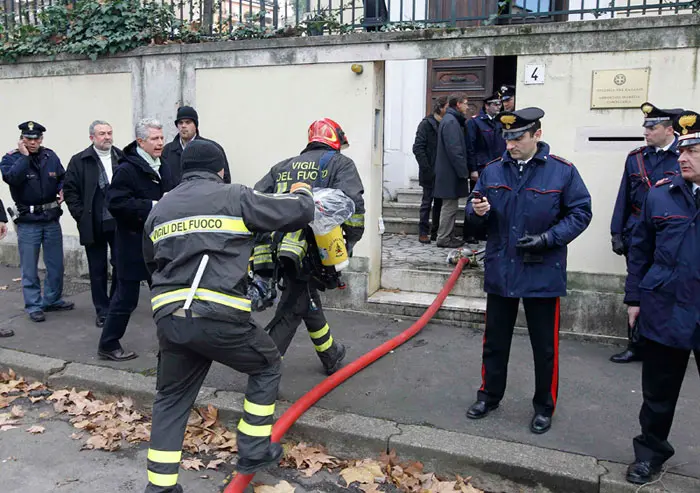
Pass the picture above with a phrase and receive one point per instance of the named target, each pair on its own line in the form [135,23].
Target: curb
[509,466]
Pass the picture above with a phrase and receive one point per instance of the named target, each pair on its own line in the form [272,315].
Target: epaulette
[493,161]
[561,159]
[636,151]
[11,152]
[664,181]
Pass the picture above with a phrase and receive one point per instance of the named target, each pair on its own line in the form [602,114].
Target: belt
[182,313]
[34,209]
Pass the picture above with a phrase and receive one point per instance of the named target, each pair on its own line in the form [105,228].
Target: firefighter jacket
[321,167]
[203,215]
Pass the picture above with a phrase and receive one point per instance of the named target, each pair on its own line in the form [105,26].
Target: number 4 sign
[534,74]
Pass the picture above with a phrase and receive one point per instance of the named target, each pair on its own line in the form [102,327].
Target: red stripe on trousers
[555,373]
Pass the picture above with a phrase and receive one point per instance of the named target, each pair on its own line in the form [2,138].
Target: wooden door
[473,76]
[446,10]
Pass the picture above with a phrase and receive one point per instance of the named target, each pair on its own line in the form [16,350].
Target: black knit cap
[202,155]
[189,113]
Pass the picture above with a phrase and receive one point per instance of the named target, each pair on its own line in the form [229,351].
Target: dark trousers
[663,370]
[427,202]
[543,325]
[123,304]
[187,348]
[98,267]
[301,301]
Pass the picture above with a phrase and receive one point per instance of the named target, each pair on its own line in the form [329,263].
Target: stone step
[468,312]
[414,183]
[409,209]
[409,225]
[470,284]
[413,196]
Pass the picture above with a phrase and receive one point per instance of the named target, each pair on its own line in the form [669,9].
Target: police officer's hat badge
[508,120]
[686,122]
[30,125]
[687,125]
[647,108]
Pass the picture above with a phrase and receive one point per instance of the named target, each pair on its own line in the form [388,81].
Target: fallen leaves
[281,487]
[3,287]
[308,459]
[36,429]
[192,464]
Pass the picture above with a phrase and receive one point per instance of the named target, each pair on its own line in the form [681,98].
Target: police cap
[493,98]
[506,92]
[687,124]
[654,115]
[516,123]
[31,130]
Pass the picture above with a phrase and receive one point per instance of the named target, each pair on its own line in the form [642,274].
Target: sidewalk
[429,381]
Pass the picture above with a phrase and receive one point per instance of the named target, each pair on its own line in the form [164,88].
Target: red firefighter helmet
[328,132]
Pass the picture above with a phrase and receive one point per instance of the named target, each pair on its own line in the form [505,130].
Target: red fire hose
[283,424]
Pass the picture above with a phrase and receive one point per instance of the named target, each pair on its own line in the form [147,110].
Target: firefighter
[644,167]
[180,230]
[321,165]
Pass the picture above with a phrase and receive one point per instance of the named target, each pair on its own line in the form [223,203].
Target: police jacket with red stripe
[643,168]
[548,197]
[663,273]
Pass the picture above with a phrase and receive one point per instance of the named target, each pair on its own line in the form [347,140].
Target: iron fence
[316,17]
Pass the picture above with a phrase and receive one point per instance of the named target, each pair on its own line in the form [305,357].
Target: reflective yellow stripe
[263,259]
[163,299]
[356,220]
[253,430]
[164,457]
[325,345]
[261,249]
[200,224]
[320,332]
[162,479]
[258,409]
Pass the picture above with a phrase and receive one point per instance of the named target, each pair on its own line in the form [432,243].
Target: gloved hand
[618,246]
[300,187]
[532,243]
[262,293]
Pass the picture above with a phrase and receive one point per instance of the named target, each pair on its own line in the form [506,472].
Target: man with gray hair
[85,190]
[138,183]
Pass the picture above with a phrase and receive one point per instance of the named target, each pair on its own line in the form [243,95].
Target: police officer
[663,282]
[321,165]
[532,204]
[3,231]
[485,135]
[507,94]
[35,176]
[644,167]
[180,230]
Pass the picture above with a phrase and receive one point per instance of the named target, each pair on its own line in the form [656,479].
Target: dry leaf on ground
[308,459]
[7,427]
[214,464]
[16,279]
[3,287]
[281,487]
[17,412]
[364,471]
[193,464]
[36,429]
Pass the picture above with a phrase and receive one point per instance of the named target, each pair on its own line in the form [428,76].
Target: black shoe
[337,362]
[424,239]
[641,472]
[251,466]
[453,243]
[433,237]
[100,321]
[117,355]
[540,424]
[627,356]
[480,409]
[37,316]
[63,306]
[471,240]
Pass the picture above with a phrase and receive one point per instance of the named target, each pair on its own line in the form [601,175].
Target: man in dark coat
[532,204]
[138,184]
[425,150]
[453,168]
[663,282]
[85,190]
[485,133]
[35,175]
[3,231]
[644,167]
[187,123]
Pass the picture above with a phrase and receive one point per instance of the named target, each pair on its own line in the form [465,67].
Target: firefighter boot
[271,458]
[332,358]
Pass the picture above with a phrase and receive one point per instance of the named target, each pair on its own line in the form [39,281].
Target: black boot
[271,458]
[332,358]
[632,352]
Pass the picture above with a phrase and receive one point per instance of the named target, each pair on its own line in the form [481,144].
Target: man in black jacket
[453,168]
[187,123]
[138,184]
[85,189]
[425,150]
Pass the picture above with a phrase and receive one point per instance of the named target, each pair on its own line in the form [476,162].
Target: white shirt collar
[665,148]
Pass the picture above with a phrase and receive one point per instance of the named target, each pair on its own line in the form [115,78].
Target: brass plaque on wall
[623,88]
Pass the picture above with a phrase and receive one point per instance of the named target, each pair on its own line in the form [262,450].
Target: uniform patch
[52,174]
[663,181]
[493,161]
[637,150]
[561,159]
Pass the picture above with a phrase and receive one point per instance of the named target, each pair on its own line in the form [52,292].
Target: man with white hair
[138,184]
